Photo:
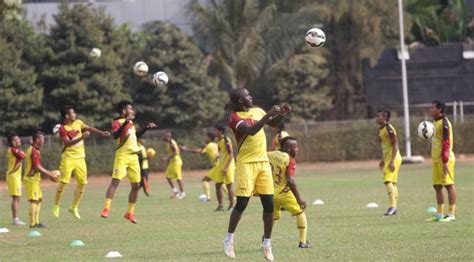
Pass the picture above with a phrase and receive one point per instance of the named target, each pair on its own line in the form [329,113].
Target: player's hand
[391,166]
[285,109]
[275,110]
[302,203]
[445,170]
[151,126]
[225,171]
[55,175]
[86,134]
[381,165]
[105,133]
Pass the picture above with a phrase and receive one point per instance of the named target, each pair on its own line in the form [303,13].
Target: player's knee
[267,203]
[135,186]
[242,203]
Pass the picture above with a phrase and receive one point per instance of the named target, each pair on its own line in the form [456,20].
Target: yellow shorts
[127,165]
[174,169]
[14,184]
[217,174]
[33,190]
[254,179]
[78,166]
[389,176]
[438,173]
[288,202]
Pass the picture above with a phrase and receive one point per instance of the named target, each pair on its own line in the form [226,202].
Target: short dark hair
[122,104]
[386,114]
[221,128]
[10,138]
[440,105]
[211,136]
[284,140]
[235,95]
[66,109]
[37,134]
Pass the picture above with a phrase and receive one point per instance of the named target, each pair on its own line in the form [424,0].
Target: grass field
[187,230]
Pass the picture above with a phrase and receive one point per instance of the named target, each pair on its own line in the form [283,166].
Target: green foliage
[10,9]
[192,97]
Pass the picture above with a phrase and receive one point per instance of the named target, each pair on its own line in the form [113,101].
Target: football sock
[37,213]
[107,203]
[440,209]
[207,189]
[302,225]
[32,214]
[59,193]
[131,208]
[391,195]
[78,193]
[451,210]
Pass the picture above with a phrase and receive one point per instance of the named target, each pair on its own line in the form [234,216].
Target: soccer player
[72,133]
[211,149]
[254,174]
[144,166]
[287,195]
[32,178]
[126,158]
[443,162]
[391,158]
[175,165]
[225,168]
[13,177]
[280,133]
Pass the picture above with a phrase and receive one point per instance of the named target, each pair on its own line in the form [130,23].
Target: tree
[10,9]
[94,86]
[192,97]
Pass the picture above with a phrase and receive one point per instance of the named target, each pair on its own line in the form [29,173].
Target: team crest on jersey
[116,171]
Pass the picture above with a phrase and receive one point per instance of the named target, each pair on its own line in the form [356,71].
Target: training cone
[76,243]
[34,233]
[113,254]
[372,205]
[318,202]
[431,210]
[4,230]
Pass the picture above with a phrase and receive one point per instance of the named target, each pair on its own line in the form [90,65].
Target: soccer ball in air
[203,198]
[150,152]
[95,52]
[56,129]
[160,79]
[315,37]
[426,130]
[140,69]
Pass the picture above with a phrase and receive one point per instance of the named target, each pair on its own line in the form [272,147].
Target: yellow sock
[440,209]
[396,193]
[224,189]
[131,208]
[107,203]
[59,193]
[391,195]
[78,193]
[32,214]
[37,213]
[302,225]
[452,209]
[207,189]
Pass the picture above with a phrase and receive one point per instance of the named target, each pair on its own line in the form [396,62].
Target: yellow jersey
[127,141]
[172,148]
[212,152]
[276,140]
[143,157]
[225,146]
[282,165]
[442,142]
[14,158]
[250,148]
[73,131]
[32,160]
[388,139]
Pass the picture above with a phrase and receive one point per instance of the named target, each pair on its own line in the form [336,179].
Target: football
[426,130]
[160,79]
[56,129]
[95,52]
[315,37]
[150,152]
[203,198]
[140,69]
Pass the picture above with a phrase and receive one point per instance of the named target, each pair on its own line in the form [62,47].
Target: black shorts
[144,172]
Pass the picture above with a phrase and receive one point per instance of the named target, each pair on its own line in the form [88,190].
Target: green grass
[188,230]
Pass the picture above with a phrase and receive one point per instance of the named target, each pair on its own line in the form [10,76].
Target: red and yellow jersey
[14,158]
[127,140]
[276,140]
[73,131]
[442,141]
[225,146]
[143,157]
[250,148]
[212,152]
[172,148]
[32,161]
[282,165]
[388,139]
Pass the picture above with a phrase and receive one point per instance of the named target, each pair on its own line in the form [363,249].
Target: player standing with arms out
[174,170]
[391,158]
[13,177]
[73,158]
[254,174]
[443,159]
[225,168]
[126,158]
[280,133]
[287,195]
[211,149]
[32,178]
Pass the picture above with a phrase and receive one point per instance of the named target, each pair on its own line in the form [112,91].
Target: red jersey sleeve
[445,143]
[62,132]
[116,125]
[35,158]
[18,153]
[234,121]
[391,135]
[290,170]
